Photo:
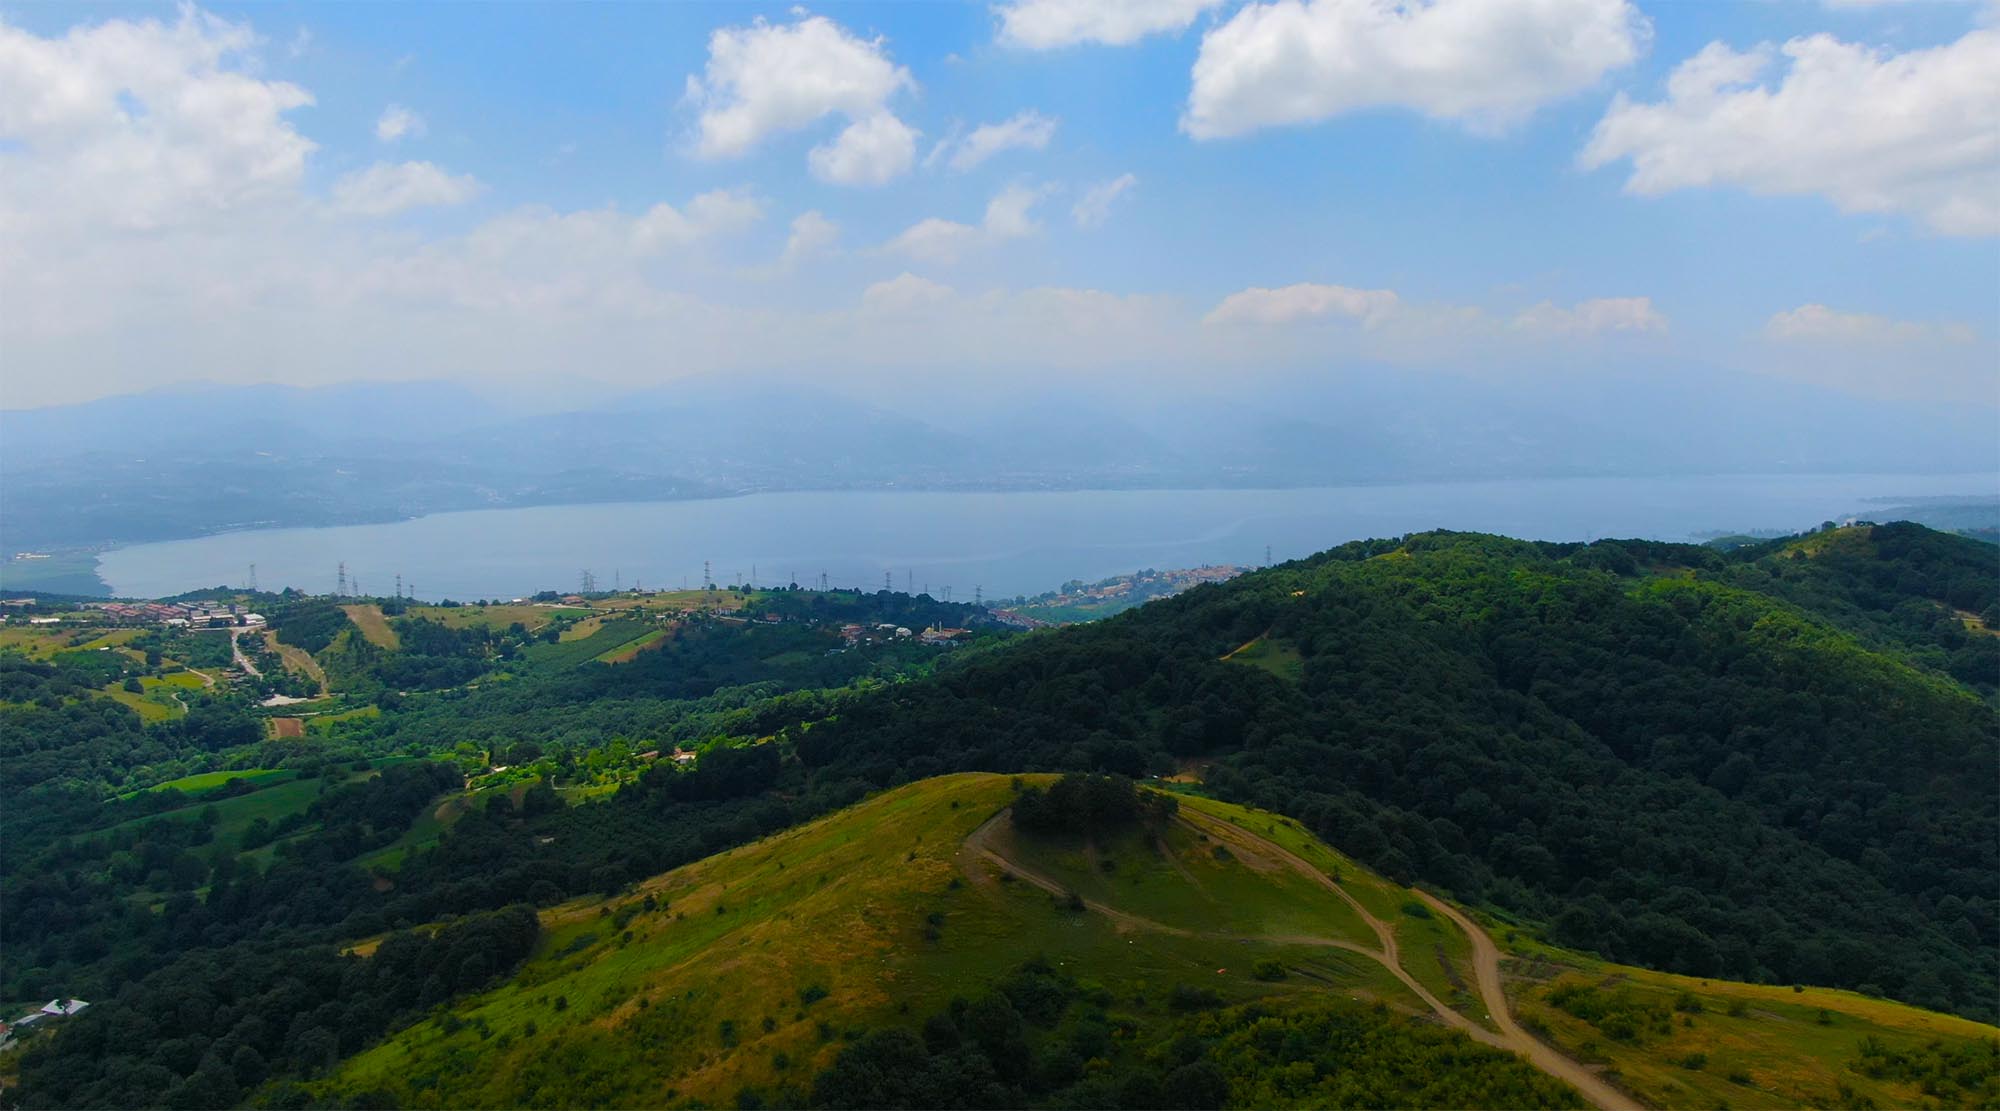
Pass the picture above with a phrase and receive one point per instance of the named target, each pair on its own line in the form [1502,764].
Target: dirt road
[1486,961]
[1486,955]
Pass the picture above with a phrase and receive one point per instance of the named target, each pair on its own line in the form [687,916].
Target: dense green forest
[1773,763]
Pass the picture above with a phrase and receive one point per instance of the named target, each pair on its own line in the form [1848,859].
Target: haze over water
[1004,543]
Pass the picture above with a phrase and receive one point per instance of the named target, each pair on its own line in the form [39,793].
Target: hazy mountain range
[193,460]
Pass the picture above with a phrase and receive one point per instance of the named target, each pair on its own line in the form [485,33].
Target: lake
[1003,543]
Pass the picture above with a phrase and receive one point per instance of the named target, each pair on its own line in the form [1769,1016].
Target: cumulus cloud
[1029,130]
[1305,301]
[390,187]
[870,151]
[1094,207]
[1871,130]
[398,122]
[1603,314]
[812,235]
[142,124]
[1882,356]
[1483,63]
[1047,24]
[1009,215]
[902,294]
[767,78]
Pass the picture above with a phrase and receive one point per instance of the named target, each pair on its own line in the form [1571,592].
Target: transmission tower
[617,579]
[909,581]
[886,587]
[399,585]
[707,576]
[976,594]
[253,578]
[1267,555]
[589,582]
[340,588]
[947,593]
[822,582]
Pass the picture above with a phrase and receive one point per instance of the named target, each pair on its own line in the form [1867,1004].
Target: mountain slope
[1678,770]
[761,970]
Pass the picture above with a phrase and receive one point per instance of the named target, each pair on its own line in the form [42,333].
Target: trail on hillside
[1486,955]
[1486,961]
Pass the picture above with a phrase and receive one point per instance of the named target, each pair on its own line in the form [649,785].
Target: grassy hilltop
[758,968]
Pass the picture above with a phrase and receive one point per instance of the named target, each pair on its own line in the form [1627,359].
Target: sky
[1026,195]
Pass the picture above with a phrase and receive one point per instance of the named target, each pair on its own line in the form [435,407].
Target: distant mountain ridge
[190,461]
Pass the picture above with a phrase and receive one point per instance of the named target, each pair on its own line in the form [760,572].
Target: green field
[1710,1043]
[203,781]
[1276,657]
[606,640]
[373,625]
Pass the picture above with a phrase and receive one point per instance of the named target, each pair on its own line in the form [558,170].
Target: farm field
[461,617]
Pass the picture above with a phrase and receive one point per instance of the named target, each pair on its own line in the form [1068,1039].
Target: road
[1486,962]
[1486,955]
[242,660]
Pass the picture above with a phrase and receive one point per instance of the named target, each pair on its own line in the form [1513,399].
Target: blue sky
[1431,208]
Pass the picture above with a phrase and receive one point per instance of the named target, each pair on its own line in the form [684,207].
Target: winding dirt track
[1486,955]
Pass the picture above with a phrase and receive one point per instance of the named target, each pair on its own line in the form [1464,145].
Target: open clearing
[373,625]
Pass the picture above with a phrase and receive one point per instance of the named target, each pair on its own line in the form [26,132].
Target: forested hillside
[1772,764]
[1755,765]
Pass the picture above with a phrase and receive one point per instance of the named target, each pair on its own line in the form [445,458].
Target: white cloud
[1047,24]
[391,187]
[870,151]
[1818,324]
[767,78]
[812,235]
[142,124]
[398,122]
[1094,207]
[716,213]
[1009,215]
[1305,301]
[1872,131]
[1029,130]
[902,294]
[1880,356]
[1603,314]
[1483,63]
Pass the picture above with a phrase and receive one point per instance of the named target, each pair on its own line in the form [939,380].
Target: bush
[1268,970]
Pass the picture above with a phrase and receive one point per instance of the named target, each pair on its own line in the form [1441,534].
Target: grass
[884,907]
[608,639]
[373,625]
[36,642]
[207,781]
[874,904]
[149,710]
[1274,656]
[296,660]
[498,617]
[324,723]
[1794,1047]
[631,650]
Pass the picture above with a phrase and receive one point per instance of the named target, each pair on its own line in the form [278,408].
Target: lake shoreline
[1004,542]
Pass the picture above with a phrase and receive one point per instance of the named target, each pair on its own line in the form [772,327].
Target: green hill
[1747,765]
[776,969]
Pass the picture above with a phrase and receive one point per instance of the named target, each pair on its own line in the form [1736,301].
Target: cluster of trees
[1087,804]
[212,1026]
[1040,1038]
[309,624]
